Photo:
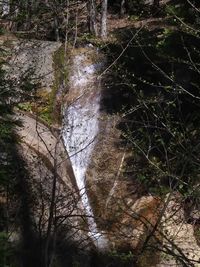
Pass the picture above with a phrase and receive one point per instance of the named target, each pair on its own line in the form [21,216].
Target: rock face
[179,236]
[34,59]
[41,139]
[48,165]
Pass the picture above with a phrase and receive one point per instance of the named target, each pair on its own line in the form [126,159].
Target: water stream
[81,128]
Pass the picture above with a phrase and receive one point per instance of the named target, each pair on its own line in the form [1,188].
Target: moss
[51,111]
[43,108]
[48,104]
[197,233]
[40,106]
[26,106]
[2,30]
[45,115]
[61,73]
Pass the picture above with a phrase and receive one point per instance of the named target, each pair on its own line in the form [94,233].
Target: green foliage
[5,251]
[177,11]
[134,18]
[49,103]
[5,130]
[26,106]
[46,114]
[61,73]
[123,257]
[2,31]
[164,39]
[60,84]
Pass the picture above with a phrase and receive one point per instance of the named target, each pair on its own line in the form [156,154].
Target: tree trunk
[66,21]
[57,36]
[122,8]
[92,23]
[104,19]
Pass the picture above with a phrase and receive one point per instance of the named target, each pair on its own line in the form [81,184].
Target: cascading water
[81,128]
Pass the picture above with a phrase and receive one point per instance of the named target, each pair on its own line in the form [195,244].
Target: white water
[80,130]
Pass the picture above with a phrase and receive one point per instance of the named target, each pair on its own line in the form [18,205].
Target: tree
[122,8]
[92,17]
[104,5]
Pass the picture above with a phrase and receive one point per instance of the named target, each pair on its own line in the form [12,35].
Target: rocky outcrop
[40,138]
[178,236]
[47,163]
[32,59]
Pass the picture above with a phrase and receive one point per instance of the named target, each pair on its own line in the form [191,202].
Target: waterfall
[81,128]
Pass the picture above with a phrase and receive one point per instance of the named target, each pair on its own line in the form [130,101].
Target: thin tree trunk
[56,29]
[92,22]
[66,28]
[76,26]
[104,19]
[122,8]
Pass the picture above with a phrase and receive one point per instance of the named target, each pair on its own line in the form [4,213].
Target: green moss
[197,233]
[26,106]
[51,112]
[2,30]
[49,108]
[61,73]
[134,18]
[46,115]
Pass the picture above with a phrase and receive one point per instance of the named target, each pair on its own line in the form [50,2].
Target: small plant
[123,257]
[2,31]
[26,106]
[134,18]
